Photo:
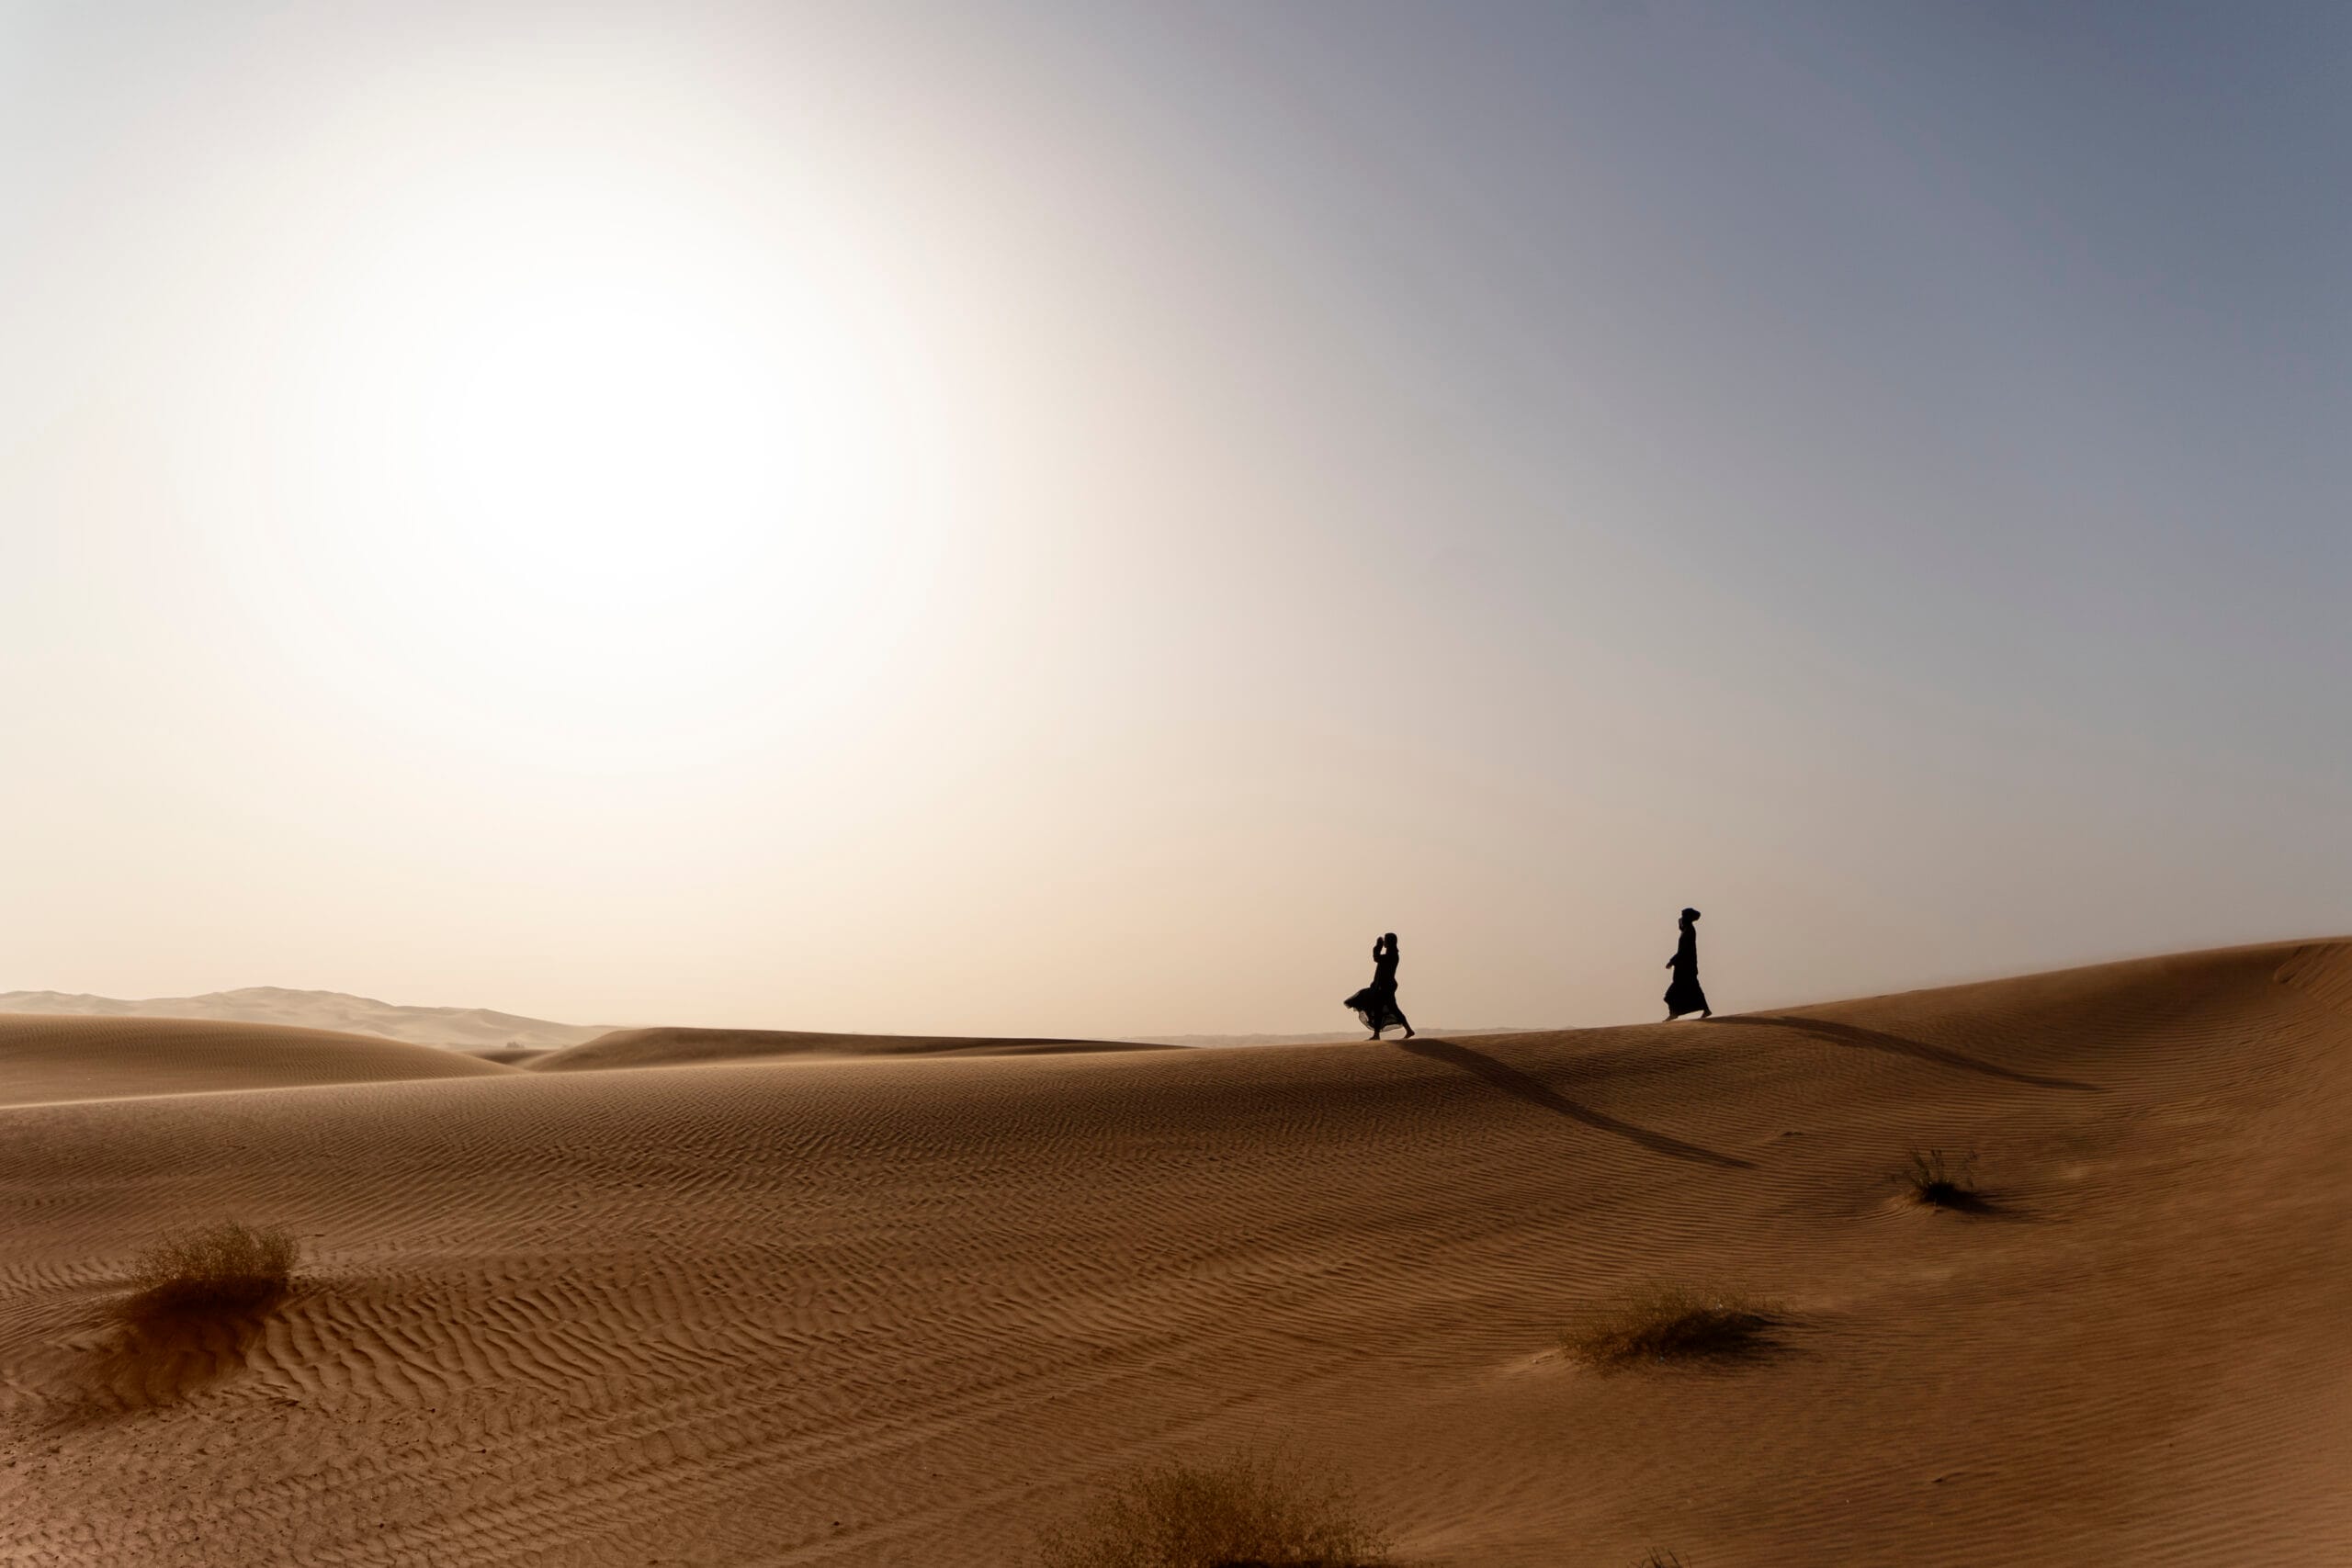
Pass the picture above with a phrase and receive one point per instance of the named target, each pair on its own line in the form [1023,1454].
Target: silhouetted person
[1682,994]
[1376,1003]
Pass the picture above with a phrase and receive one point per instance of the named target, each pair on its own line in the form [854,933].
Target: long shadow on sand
[1874,1040]
[1510,1081]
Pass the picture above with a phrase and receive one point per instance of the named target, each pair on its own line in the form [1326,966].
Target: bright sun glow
[594,460]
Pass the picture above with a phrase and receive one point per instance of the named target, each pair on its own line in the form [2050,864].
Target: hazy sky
[1074,519]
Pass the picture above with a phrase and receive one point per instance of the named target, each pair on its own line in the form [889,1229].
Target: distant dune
[1324,1037]
[510,1038]
[830,1313]
[47,1059]
[680,1047]
[465,1028]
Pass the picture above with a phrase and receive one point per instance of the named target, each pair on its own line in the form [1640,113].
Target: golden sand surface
[903,1307]
[44,1059]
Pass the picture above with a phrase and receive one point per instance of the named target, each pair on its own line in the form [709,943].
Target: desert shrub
[1254,1508]
[1658,1557]
[223,1270]
[1942,1181]
[1672,1322]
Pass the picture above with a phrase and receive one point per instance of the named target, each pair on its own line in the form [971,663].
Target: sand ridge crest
[475,1029]
[681,1046]
[46,1057]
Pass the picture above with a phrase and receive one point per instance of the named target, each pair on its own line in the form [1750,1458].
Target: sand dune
[878,1311]
[485,1029]
[1320,1037]
[44,1059]
[680,1047]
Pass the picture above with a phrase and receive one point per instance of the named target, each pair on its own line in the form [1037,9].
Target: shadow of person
[1535,1091]
[1876,1040]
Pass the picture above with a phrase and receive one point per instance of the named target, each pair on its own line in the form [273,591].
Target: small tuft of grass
[229,1269]
[1674,1323]
[1658,1557]
[1253,1508]
[1938,1181]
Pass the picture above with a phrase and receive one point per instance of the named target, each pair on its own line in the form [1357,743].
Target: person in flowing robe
[1683,993]
[1375,1005]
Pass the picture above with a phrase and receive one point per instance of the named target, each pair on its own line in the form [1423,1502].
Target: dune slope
[886,1311]
[45,1058]
[673,1047]
[465,1028]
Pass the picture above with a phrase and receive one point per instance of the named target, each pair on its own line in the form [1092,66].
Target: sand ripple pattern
[875,1312]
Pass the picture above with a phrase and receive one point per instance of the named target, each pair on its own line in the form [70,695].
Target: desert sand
[681,1046]
[904,1307]
[468,1029]
[46,1059]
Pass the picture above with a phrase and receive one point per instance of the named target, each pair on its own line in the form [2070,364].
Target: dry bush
[1255,1508]
[1673,1323]
[197,1303]
[1658,1557]
[1943,1181]
[228,1270]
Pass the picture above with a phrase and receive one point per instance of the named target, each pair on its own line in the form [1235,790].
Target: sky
[1073,519]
